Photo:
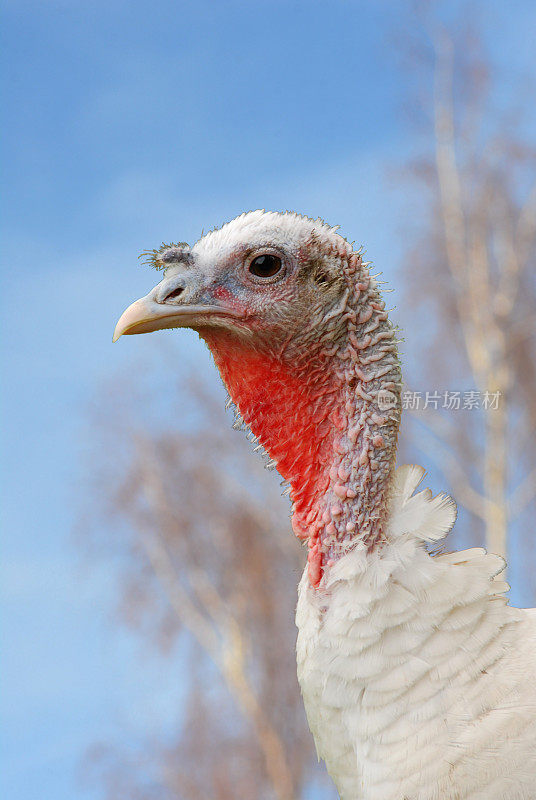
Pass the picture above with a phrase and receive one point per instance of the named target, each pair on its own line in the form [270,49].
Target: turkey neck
[329,418]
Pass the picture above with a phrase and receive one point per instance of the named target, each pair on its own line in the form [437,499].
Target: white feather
[418,679]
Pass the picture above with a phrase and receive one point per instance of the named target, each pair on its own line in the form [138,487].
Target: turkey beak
[143,316]
[178,302]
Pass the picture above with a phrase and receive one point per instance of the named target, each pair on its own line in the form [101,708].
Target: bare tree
[207,550]
[472,273]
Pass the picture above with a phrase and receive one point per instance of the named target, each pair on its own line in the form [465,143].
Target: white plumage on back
[416,675]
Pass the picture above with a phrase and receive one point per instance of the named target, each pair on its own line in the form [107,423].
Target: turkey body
[418,680]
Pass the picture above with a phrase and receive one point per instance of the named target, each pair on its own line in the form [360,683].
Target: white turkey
[419,681]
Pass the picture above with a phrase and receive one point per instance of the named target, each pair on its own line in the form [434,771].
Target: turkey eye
[265,266]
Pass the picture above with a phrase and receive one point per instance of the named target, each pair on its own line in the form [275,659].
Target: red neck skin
[326,435]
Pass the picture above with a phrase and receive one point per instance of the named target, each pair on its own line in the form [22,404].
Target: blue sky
[125,124]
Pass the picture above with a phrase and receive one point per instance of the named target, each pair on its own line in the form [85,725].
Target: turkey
[419,681]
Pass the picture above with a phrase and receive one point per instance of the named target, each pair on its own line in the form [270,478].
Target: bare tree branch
[522,495]
[222,640]
[476,259]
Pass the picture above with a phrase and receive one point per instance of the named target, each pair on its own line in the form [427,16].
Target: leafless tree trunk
[211,621]
[477,248]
